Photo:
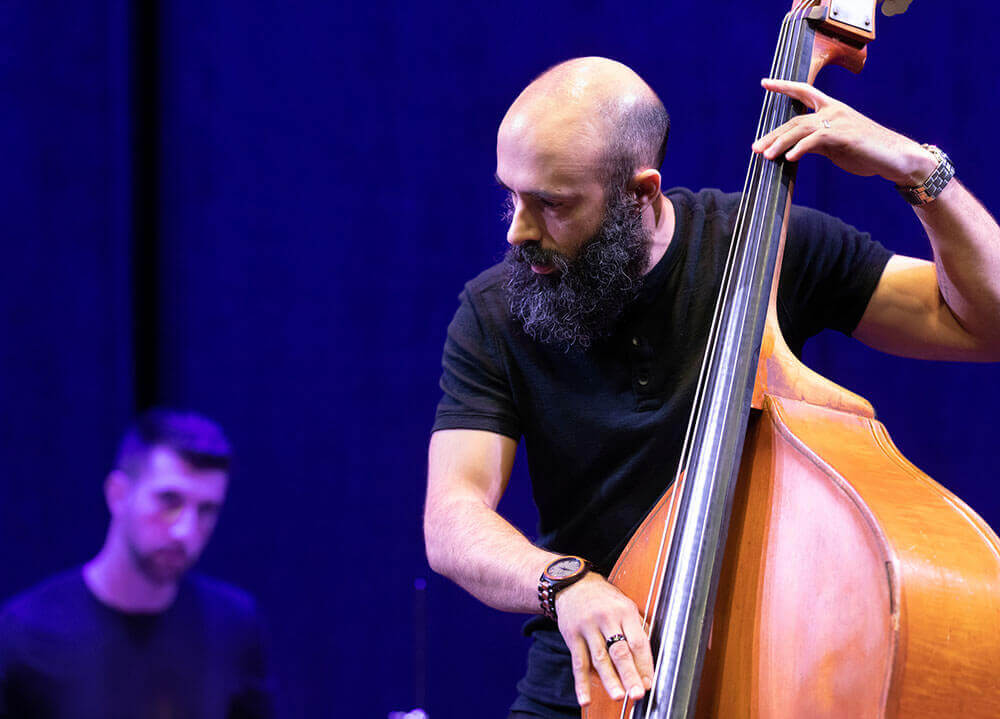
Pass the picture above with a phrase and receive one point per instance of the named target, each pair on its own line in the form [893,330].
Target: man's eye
[548,203]
[170,500]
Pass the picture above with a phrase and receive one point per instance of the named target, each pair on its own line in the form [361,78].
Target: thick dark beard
[580,302]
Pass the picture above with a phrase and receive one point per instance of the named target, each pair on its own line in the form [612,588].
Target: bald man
[587,341]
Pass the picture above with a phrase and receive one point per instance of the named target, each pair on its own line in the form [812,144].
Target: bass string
[750,185]
[781,64]
[700,386]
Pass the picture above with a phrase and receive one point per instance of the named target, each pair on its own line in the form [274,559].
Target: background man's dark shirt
[66,655]
[603,429]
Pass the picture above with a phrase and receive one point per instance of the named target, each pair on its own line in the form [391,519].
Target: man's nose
[185,526]
[523,226]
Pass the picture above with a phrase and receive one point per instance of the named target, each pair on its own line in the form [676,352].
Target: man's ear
[116,488]
[645,186]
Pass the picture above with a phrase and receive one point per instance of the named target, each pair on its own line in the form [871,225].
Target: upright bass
[799,565]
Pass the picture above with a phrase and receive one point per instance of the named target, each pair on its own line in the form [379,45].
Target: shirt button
[635,341]
[643,380]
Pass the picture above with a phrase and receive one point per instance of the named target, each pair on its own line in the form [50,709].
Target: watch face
[562,568]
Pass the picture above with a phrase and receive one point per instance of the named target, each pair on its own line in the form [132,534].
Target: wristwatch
[934,184]
[557,576]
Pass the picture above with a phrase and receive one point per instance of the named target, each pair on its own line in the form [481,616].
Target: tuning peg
[895,7]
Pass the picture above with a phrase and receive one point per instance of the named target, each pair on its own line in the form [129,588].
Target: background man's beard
[162,566]
[580,302]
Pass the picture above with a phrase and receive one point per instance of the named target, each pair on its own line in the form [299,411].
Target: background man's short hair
[198,440]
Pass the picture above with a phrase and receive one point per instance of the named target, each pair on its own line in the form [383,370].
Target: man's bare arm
[948,309]
[468,542]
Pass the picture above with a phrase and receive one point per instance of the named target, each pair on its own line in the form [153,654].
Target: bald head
[596,108]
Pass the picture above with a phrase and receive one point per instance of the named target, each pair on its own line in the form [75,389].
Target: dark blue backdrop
[312,186]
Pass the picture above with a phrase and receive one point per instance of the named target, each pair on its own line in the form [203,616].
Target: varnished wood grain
[853,585]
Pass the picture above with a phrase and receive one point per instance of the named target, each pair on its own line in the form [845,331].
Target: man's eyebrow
[534,193]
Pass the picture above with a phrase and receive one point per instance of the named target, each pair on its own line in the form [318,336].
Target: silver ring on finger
[614,638]
[826,123]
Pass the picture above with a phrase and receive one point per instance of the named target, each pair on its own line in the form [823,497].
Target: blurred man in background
[132,633]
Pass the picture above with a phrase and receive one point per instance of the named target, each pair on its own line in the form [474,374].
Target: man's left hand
[849,139]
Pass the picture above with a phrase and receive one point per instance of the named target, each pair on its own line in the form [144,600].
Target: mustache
[173,550]
[532,253]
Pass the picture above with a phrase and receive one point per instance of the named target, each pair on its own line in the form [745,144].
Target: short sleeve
[829,272]
[476,391]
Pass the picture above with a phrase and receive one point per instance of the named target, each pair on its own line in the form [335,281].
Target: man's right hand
[473,545]
[590,611]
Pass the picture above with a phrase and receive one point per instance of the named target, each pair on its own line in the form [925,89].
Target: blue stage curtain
[65,289]
[323,189]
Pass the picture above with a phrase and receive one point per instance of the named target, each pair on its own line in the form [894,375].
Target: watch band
[550,585]
[935,183]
